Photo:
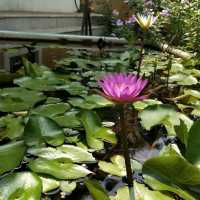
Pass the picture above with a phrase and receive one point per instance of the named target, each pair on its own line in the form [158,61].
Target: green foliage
[11,155]
[41,129]
[57,125]
[22,186]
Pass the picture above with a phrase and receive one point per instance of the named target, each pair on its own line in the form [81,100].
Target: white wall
[38,5]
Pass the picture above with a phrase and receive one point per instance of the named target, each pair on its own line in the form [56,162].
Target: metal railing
[9,38]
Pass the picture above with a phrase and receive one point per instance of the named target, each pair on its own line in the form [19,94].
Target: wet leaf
[141,105]
[11,155]
[159,186]
[143,193]
[159,114]
[21,186]
[74,88]
[58,169]
[171,167]
[193,147]
[67,186]
[49,184]
[51,110]
[67,153]
[95,132]
[91,102]
[46,83]
[122,194]
[69,120]
[12,127]
[117,166]
[182,79]
[18,99]
[41,129]
[96,190]
[77,154]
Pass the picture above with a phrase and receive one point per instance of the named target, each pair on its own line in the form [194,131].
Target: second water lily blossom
[145,21]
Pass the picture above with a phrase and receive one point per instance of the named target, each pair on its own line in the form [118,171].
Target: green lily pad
[117,166]
[122,194]
[193,147]
[67,186]
[96,190]
[91,102]
[143,193]
[51,110]
[141,105]
[68,119]
[11,127]
[21,186]
[66,153]
[49,184]
[171,167]
[159,186]
[18,99]
[39,84]
[95,132]
[163,114]
[183,79]
[11,155]
[58,169]
[41,129]
[74,88]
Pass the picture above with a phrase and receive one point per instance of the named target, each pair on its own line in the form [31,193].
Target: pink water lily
[123,88]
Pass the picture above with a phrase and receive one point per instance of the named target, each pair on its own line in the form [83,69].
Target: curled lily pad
[40,129]
[95,132]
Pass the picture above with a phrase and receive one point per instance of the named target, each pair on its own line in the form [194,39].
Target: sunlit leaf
[171,167]
[49,184]
[67,186]
[67,153]
[58,169]
[117,166]
[159,186]
[21,186]
[143,193]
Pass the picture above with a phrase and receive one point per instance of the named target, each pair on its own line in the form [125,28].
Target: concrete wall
[38,5]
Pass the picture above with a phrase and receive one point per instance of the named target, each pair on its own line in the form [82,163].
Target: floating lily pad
[58,169]
[41,129]
[95,132]
[11,155]
[21,186]
[18,99]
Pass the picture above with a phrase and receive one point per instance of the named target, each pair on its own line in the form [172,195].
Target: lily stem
[123,137]
[141,57]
